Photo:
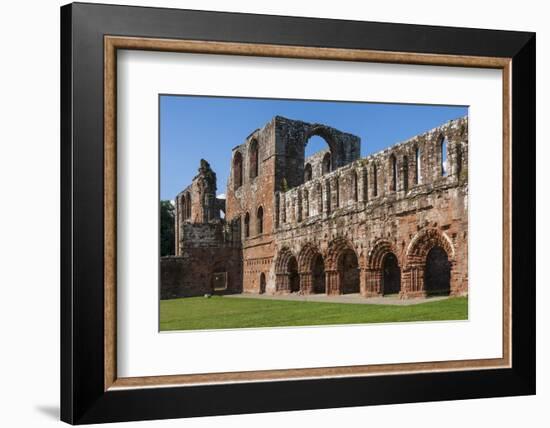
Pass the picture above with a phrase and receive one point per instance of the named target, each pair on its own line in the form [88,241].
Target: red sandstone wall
[257,248]
[343,211]
[192,273]
[353,216]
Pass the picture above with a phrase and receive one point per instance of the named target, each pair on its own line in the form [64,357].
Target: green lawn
[195,313]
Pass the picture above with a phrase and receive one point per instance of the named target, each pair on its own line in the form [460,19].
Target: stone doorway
[262,283]
[391,275]
[349,272]
[293,276]
[437,276]
[318,272]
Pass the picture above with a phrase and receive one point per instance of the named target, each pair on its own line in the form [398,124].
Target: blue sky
[194,127]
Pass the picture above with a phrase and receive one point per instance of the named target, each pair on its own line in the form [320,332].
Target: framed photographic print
[265,213]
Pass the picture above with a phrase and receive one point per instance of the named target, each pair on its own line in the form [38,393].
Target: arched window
[188,204]
[260,221]
[443,157]
[306,203]
[393,167]
[374,180]
[307,173]
[405,173]
[365,185]
[237,170]
[183,208]
[247,225]
[253,158]
[355,193]
[418,163]
[326,164]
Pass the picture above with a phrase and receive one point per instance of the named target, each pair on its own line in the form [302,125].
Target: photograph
[295,212]
[275,214]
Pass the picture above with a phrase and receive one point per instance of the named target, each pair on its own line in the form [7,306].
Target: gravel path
[344,298]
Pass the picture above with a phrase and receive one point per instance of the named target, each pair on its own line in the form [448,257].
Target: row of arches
[427,268]
[360,184]
[253,164]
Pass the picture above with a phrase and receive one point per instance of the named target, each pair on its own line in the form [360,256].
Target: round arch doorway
[349,272]
[318,275]
[391,275]
[437,276]
[293,276]
[262,283]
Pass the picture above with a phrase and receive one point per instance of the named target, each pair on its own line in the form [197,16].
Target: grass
[195,313]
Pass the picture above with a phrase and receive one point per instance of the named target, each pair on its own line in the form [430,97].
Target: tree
[167,244]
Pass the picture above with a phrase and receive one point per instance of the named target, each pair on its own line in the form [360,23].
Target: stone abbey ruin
[392,223]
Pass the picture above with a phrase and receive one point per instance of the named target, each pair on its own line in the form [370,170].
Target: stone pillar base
[368,294]
[412,294]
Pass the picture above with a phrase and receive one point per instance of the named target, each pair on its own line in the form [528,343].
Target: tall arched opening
[318,274]
[348,267]
[437,275]
[391,275]
[237,170]
[293,276]
[262,283]
[430,262]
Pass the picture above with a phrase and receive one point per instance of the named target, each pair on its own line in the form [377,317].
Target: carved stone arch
[335,146]
[281,263]
[253,158]
[237,170]
[189,211]
[342,267]
[416,258]
[286,272]
[375,256]
[424,241]
[334,251]
[383,273]
[312,270]
[306,257]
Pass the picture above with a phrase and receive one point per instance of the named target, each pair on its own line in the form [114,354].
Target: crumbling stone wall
[398,202]
[317,165]
[193,273]
[197,203]
[392,222]
[206,250]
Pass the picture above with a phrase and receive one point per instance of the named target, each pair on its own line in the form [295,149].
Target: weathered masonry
[395,222]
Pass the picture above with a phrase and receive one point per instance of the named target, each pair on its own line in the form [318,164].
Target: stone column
[373,283]
[305,205]
[326,197]
[282,283]
[335,193]
[332,278]
[306,283]
[455,280]
[361,188]
[412,284]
